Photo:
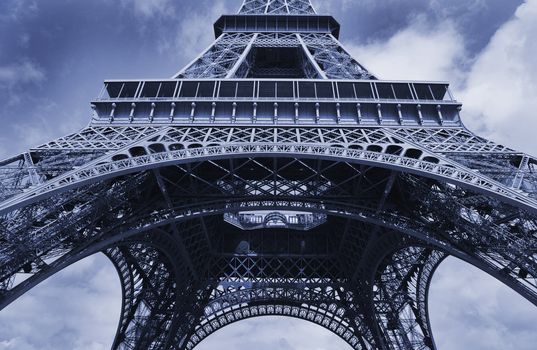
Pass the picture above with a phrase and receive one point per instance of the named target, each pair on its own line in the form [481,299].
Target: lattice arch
[327,318]
[422,264]
[273,174]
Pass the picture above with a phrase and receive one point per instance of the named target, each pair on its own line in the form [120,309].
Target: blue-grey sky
[54,55]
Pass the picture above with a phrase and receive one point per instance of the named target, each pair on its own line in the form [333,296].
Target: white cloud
[328,6]
[24,40]
[14,76]
[77,309]
[150,8]
[40,127]
[501,91]
[21,72]
[193,34]
[471,310]
[420,52]
[15,10]
[498,87]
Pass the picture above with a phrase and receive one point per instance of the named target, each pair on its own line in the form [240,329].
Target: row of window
[276,89]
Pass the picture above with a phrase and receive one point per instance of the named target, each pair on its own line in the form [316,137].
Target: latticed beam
[274,175]
[251,7]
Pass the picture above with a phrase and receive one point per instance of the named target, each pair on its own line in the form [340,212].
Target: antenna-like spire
[256,7]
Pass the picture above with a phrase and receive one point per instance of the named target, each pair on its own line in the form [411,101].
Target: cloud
[194,33]
[471,310]
[40,127]
[76,309]
[500,94]
[15,77]
[498,86]
[150,8]
[420,52]
[16,344]
[328,6]
[372,20]
[20,73]
[15,10]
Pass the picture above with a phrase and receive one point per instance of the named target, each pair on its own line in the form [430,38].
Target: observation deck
[369,103]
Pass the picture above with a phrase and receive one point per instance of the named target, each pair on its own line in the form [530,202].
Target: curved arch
[443,171]
[425,279]
[401,300]
[316,316]
[361,213]
[388,220]
[149,272]
[278,330]
[129,331]
[364,212]
[424,282]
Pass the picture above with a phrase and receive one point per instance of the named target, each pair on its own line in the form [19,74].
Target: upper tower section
[277,7]
[276,62]
[275,39]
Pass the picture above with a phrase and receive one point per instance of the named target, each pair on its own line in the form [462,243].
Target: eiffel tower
[273,175]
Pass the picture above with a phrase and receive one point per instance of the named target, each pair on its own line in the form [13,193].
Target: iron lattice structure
[274,175]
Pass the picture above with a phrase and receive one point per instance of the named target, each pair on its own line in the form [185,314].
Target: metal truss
[400,296]
[220,58]
[274,175]
[277,271]
[234,53]
[233,56]
[333,59]
[372,146]
[302,7]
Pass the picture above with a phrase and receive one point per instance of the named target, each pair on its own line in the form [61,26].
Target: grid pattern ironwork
[160,178]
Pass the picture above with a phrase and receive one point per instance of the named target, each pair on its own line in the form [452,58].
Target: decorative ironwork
[273,175]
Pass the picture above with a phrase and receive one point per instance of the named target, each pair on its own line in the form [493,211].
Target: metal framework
[273,175]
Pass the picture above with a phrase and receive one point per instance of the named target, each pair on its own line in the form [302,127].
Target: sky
[54,55]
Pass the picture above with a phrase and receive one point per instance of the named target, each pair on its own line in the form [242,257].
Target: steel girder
[335,61]
[231,56]
[301,7]
[442,218]
[380,147]
[397,197]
